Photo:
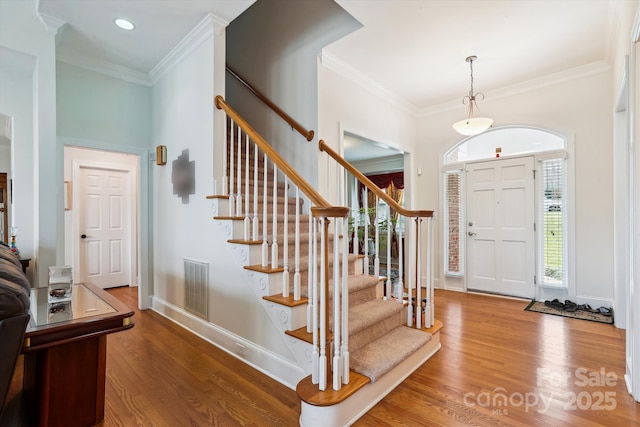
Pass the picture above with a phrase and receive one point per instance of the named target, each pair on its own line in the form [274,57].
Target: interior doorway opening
[102,216]
[384,166]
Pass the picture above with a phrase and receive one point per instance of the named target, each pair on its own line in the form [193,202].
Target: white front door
[105,221]
[500,227]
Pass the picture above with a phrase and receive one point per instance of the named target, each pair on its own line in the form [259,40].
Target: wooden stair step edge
[310,393]
[286,301]
[226,217]
[260,269]
[217,196]
[302,334]
[245,242]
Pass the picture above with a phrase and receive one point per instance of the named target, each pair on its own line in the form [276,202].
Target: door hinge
[534,226]
[535,280]
[534,174]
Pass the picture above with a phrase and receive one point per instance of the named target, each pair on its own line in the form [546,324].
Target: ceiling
[399,51]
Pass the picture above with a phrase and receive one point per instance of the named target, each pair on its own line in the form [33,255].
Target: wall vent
[196,279]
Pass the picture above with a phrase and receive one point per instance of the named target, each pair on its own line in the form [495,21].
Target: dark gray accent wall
[274,45]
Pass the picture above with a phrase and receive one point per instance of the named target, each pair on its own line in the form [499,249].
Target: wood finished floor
[160,375]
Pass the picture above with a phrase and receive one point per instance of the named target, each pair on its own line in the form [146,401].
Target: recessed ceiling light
[125,24]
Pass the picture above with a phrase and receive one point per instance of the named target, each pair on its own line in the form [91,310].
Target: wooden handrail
[308,134]
[371,186]
[282,164]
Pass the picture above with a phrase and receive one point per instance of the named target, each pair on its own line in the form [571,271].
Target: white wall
[183,119]
[622,164]
[274,45]
[579,109]
[21,31]
[344,106]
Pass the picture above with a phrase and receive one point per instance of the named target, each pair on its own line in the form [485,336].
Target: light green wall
[93,106]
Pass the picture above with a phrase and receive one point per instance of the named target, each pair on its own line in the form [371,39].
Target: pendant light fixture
[472,125]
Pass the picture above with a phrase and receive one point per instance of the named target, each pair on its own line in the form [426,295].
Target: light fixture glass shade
[125,24]
[472,125]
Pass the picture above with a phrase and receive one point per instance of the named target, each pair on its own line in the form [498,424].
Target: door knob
[84,236]
[471,233]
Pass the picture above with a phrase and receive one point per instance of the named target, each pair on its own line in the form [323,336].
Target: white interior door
[105,221]
[500,227]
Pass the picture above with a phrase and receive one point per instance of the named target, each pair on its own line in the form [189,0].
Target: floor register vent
[196,279]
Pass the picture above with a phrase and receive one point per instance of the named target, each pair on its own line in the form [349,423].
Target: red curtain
[383,180]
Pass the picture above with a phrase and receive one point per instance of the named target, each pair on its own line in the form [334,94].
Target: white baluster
[322,368]
[418,275]
[356,242]
[265,245]
[247,219]
[239,171]
[429,311]
[256,222]
[274,225]
[311,267]
[411,273]
[225,167]
[296,274]
[232,199]
[344,350]
[285,241]
[376,259]
[313,300]
[336,363]
[389,291]
[400,266]
[366,230]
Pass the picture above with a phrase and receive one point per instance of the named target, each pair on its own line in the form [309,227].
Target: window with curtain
[454,261]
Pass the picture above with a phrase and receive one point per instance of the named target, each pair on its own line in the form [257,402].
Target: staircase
[350,336]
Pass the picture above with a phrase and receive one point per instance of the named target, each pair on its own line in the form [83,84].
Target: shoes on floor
[571,306]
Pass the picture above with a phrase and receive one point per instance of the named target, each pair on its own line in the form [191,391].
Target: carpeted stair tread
[380,356]
[357,282]
[371,312]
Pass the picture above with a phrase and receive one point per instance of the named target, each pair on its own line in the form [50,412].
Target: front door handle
[471,234]
[83,236]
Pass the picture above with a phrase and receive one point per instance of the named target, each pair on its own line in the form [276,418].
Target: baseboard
[349,411]
[265,361]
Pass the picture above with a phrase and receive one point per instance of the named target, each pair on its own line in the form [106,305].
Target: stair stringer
[264,284]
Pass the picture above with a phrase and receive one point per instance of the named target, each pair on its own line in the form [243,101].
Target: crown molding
[527,86]
[51,23]
[209,26]
[366,82]
[106,68]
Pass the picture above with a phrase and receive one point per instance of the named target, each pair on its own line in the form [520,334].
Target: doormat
[539,307]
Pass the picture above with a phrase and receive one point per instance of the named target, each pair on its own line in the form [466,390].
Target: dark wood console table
[65,354]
